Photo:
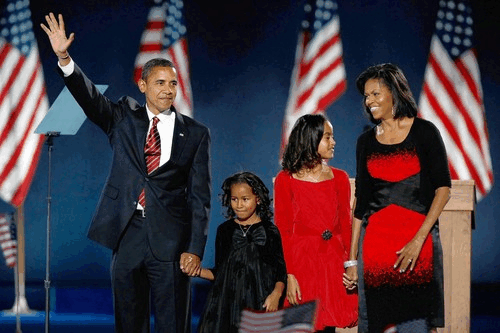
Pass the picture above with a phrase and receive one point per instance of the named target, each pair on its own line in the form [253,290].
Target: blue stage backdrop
[242,55]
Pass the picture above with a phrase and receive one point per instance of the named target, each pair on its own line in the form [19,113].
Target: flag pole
[20,304]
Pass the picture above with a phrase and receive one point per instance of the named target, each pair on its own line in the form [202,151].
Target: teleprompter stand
[65,117]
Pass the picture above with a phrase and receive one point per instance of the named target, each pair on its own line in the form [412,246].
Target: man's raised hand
[57,35]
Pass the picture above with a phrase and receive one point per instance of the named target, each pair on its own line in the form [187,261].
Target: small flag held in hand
[298,319]
[8,239]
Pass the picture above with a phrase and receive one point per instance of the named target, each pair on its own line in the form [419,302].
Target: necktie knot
[155,121]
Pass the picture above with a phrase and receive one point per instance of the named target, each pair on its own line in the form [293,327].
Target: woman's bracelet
[350,263]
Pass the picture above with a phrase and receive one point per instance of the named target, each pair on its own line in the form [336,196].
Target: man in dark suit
[153,210]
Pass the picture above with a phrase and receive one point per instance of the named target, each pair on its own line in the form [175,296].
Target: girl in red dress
[313,214]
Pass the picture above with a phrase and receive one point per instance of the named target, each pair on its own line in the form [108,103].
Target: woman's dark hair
[303,143]
[258,188]
[393,78]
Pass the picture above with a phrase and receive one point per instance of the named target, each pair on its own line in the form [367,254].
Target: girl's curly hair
[258,188]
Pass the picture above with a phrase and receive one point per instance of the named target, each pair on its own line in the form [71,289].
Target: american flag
[452,96]
[165,36]
[319,77]
[23,101]
[8,239]
[299,319]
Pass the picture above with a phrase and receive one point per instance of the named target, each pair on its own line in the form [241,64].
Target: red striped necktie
[152,153]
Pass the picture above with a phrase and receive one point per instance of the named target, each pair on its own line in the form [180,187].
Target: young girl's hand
[293,293]
[350,278]
[272,301]
[190,264]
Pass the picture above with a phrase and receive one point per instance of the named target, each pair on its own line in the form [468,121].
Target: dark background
[242,55]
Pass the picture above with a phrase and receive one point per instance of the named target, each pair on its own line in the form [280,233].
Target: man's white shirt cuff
[68,69]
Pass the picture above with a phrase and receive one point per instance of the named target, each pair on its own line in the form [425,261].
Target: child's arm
[272,301]
[207,274]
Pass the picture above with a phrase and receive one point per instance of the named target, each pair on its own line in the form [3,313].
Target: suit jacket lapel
[142,126]
[179,139]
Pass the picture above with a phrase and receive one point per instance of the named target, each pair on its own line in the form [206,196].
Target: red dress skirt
[315,225]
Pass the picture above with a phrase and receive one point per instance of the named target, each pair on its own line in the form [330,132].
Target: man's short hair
[156,62]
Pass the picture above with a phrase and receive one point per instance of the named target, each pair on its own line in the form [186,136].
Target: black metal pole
[50,143]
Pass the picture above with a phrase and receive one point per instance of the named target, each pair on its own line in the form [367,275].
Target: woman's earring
[393,111]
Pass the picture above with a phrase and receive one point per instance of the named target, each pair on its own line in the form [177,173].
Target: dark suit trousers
[137,276]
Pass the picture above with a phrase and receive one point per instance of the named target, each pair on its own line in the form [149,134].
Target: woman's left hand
[408,255]
[272,301]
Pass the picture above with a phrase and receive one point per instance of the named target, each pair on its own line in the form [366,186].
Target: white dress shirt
[165,124]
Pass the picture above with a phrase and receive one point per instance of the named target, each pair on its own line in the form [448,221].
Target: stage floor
[85,309]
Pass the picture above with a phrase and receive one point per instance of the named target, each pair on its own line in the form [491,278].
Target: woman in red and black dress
[313,214]
[402,185]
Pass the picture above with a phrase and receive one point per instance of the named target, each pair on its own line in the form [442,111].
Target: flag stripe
[453,172]
[447,105]
[471,70]
[450,90]
[4,51]
[150,48]
[15,74]
[327,35]
[318,77]
[164,36]
[12,135]
[461,65]
[23,102]
[8,242]
[292,320]
[454,155]
[307,65]
[176,58]
[22,189]
[332,66]
[452,96]
[333,95]
[452,132]
[151,37]
[16,109]
[322,63]
[155,25]
[321,89]
[14,158]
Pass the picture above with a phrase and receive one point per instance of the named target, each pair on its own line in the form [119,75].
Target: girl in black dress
[249,270]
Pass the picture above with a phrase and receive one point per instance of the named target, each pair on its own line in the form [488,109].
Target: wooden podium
[456,223]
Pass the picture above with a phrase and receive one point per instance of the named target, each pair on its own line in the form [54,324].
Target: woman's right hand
[350,277]
[293,293]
